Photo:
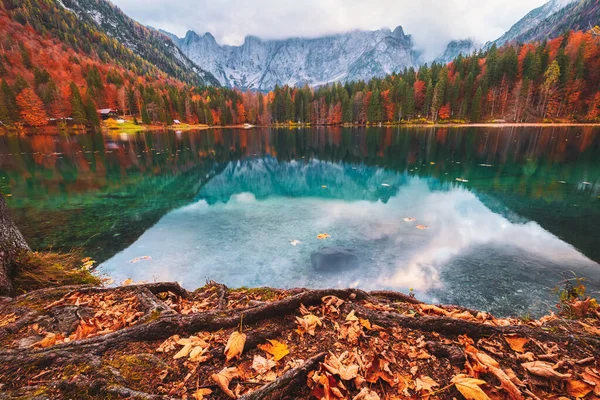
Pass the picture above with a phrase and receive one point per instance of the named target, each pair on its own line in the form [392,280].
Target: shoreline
[184,128]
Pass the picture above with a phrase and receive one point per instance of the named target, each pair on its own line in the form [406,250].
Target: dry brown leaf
[308,324]
[544,369]
[592,377]
[223,379]
[7,319]
[380,369]
[425,383]
[235,345]
[168,345]
[262,365]
[365,323]
[516,343]
[366,394]
[578,389]
[335,365]
[485,362]
[469,387]
[433,308]
[277,349]
[322,236]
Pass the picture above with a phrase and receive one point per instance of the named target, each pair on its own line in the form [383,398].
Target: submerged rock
[334,259]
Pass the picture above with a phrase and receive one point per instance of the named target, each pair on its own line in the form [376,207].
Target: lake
[505,213]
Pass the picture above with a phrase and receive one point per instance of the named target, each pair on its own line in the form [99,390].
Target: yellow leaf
[516,343]
[223,379]
[322,236]
[235,345]
[578,389]
[351,316]
[422,227]
[469,387]
[277,349]
[365,323]
[200,393]
[544,369]
[128,281]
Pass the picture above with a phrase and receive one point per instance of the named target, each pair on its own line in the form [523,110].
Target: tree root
[167,325]
[388,294]
[475,330]
[293,378]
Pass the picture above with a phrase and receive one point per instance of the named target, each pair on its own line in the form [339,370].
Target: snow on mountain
[262,64]
[531,20]
[455,48]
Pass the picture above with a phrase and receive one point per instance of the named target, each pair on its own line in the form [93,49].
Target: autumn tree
[32,108]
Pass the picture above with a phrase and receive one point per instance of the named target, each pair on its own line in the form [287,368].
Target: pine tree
[11,113]
[91,112]
[476,105]
[77,108]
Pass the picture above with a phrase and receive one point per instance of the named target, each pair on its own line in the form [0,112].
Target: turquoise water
[508,211]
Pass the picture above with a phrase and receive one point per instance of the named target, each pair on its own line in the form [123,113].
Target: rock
[334,259]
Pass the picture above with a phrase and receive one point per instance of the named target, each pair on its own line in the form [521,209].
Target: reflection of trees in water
[102,185]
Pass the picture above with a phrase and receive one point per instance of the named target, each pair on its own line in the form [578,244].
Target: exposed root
[293,378]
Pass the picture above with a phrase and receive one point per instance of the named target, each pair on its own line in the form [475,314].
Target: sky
[433,23]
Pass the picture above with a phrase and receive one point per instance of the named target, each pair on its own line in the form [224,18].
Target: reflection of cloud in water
[459,221]
[246,242]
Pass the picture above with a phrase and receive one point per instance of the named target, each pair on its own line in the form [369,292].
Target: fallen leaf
[409,219]
[141,258]
[308,324]
[425,383]
[295,242]
[223,379]
[516,343]
[277,349]
[380,369]
[235,345]
[127,281]
[168,345]
[322,236]
[578,389]
[469,387]
[366,394]
[262,365]
[336,366]
[422,227]
[544,369]
[592,377]
[7,319]
[200,393]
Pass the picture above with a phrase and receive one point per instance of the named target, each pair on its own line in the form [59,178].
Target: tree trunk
[12,243]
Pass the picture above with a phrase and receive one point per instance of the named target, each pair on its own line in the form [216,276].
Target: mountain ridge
[262,64]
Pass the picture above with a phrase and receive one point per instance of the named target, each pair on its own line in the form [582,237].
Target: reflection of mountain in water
[265,177]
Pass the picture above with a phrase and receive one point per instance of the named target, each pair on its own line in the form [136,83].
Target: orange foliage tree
[32,108]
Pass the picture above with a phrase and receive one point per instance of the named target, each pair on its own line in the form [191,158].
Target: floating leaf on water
[324,187]
[422,227]
[432,162]
[322,236]
[295,242]
[141,258]
[462,180]
[409,219]
[563,182]
[385,185]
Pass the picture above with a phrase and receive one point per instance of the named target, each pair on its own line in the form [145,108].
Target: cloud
[431,22]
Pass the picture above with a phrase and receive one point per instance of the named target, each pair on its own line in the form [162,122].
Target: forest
[48,78]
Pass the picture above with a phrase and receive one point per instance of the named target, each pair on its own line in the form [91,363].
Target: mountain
[145,43]
[579,15]
[455,48]
[263,64]
[530,21]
